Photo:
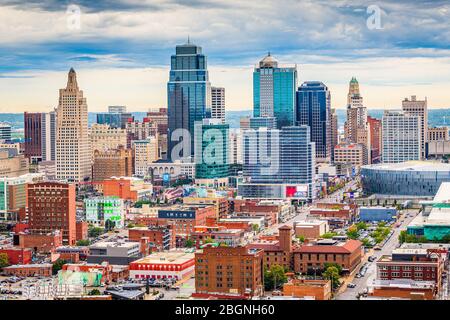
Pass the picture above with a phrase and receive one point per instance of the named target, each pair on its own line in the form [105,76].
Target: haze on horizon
[121,50]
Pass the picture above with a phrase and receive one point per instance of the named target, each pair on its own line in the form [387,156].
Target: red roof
[349,247]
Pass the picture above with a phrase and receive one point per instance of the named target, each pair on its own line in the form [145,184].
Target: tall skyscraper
[401,134]
[218,103]
[33,132]
[314,110]
[73,153]
[48,136]
[418,108]
[212,144]
[5,132]
[278,164]
[188,92]
[236,146]
[274,91]
[334,132]
[356,113]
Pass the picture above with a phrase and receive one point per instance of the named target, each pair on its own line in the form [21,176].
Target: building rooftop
[116,244]
[411,166]
[169,257]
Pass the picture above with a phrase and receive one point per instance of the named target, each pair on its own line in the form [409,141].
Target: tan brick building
[112,163]
[227,271]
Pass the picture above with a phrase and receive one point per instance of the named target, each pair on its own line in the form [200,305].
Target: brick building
[51,206]
[302,288]
[229,272]
[41,243]
[113,162]
[29,270]
[311,257]
[277,252]
[17,255]
[32,132]
[159,237]
[82,230]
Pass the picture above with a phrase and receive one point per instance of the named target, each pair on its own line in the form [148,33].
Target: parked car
[351,285]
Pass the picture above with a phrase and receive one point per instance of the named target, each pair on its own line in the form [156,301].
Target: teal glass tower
[212,141]
[188,91]
[274,90]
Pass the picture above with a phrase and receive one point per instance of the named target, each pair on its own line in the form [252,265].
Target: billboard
[297,192]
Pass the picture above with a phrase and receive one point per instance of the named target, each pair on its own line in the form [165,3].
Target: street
[391,244]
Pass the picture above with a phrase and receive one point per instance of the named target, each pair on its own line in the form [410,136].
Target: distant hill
[436,117]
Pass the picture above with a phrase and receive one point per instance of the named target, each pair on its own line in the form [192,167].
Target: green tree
[110,225]
[301,238]
[332,273]
[58,266]
[83,243]
[130,226]
[333,264]
[275,277]
[255,227]
[361,226]
[94,232]
[352,233]
[94,292]
[329,235]
[189,243]
[4,261]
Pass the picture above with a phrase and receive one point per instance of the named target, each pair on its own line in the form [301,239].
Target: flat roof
[116,244]
[411,166]
[170,257]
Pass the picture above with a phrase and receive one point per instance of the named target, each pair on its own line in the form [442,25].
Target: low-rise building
[312,257]
[119,253]
[160,237]
[17,255]
[174,264]
[126,188]
[377,213]
[310,229]
[29,270]
[303,288]
[354,153]
[207,234]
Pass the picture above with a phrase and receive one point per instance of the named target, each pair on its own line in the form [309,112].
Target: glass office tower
[212,142]
[274,91]
[314,110]
[188,92]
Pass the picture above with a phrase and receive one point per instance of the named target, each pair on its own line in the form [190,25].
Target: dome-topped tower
[268,62]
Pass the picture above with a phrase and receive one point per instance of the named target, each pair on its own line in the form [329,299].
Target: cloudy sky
[121,49]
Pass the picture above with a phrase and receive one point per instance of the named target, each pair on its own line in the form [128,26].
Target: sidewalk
[349,279]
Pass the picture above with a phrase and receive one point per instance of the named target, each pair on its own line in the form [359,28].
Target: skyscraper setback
[73,153]
[188,91]
[274,91]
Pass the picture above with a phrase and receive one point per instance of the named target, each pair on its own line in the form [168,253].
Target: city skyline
[406,54]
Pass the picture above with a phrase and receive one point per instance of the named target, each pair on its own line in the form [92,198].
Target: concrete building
[145,152]
[356,113]
[112,163]
[235,149]
[14,197]
[159,238]
[175,169]
[160,117]
[418,108]
[141,130]
[119,253]
[438,134]
[51,206]
[13,166]
[73,154]
[101,209]
[226,272]
[402,140]
[5,132]
[354,153]
[48,136]
[218,103]
[334,132]
[103,137]
[310,229]
[173,264]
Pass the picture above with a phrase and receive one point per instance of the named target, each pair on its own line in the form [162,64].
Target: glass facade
[314,110]
[211,149]
[380,179]
[275,158]
[274,92]
[188,91]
